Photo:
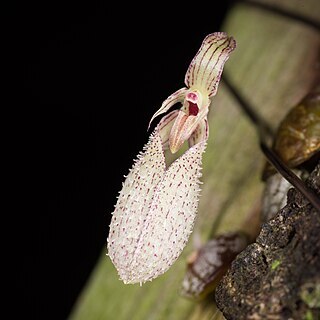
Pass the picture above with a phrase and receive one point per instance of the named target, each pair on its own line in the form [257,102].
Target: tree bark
[278,276]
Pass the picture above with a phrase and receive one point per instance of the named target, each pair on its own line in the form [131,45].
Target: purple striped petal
[176,97]
[185,125]
[165,127]
[206,67]
[201,133]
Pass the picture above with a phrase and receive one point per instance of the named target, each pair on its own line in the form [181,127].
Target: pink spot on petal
[192,96]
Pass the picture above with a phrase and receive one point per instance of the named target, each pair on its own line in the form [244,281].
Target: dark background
[92,75]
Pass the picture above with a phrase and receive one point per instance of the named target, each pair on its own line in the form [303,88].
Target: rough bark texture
[278,276]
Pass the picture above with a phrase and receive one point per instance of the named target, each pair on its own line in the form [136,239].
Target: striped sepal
[206,67]
[174,98]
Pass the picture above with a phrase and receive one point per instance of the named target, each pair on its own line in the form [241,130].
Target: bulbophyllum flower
[202,80]
[157,206]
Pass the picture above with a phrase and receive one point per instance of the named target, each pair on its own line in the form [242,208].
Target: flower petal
[165,126]
[206,67]
[155,212]
[183,128]
[178,134]
[176,97]
[201,133]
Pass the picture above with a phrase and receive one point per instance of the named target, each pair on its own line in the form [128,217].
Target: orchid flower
[157,206]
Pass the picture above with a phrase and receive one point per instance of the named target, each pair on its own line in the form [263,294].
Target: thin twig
[256,119]
[289,175]
[264,132]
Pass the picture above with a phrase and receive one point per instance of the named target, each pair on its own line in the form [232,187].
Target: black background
[88,77]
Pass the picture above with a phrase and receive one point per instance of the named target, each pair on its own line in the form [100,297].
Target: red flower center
[193,109]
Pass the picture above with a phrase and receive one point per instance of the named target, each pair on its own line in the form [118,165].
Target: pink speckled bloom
[157,206]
